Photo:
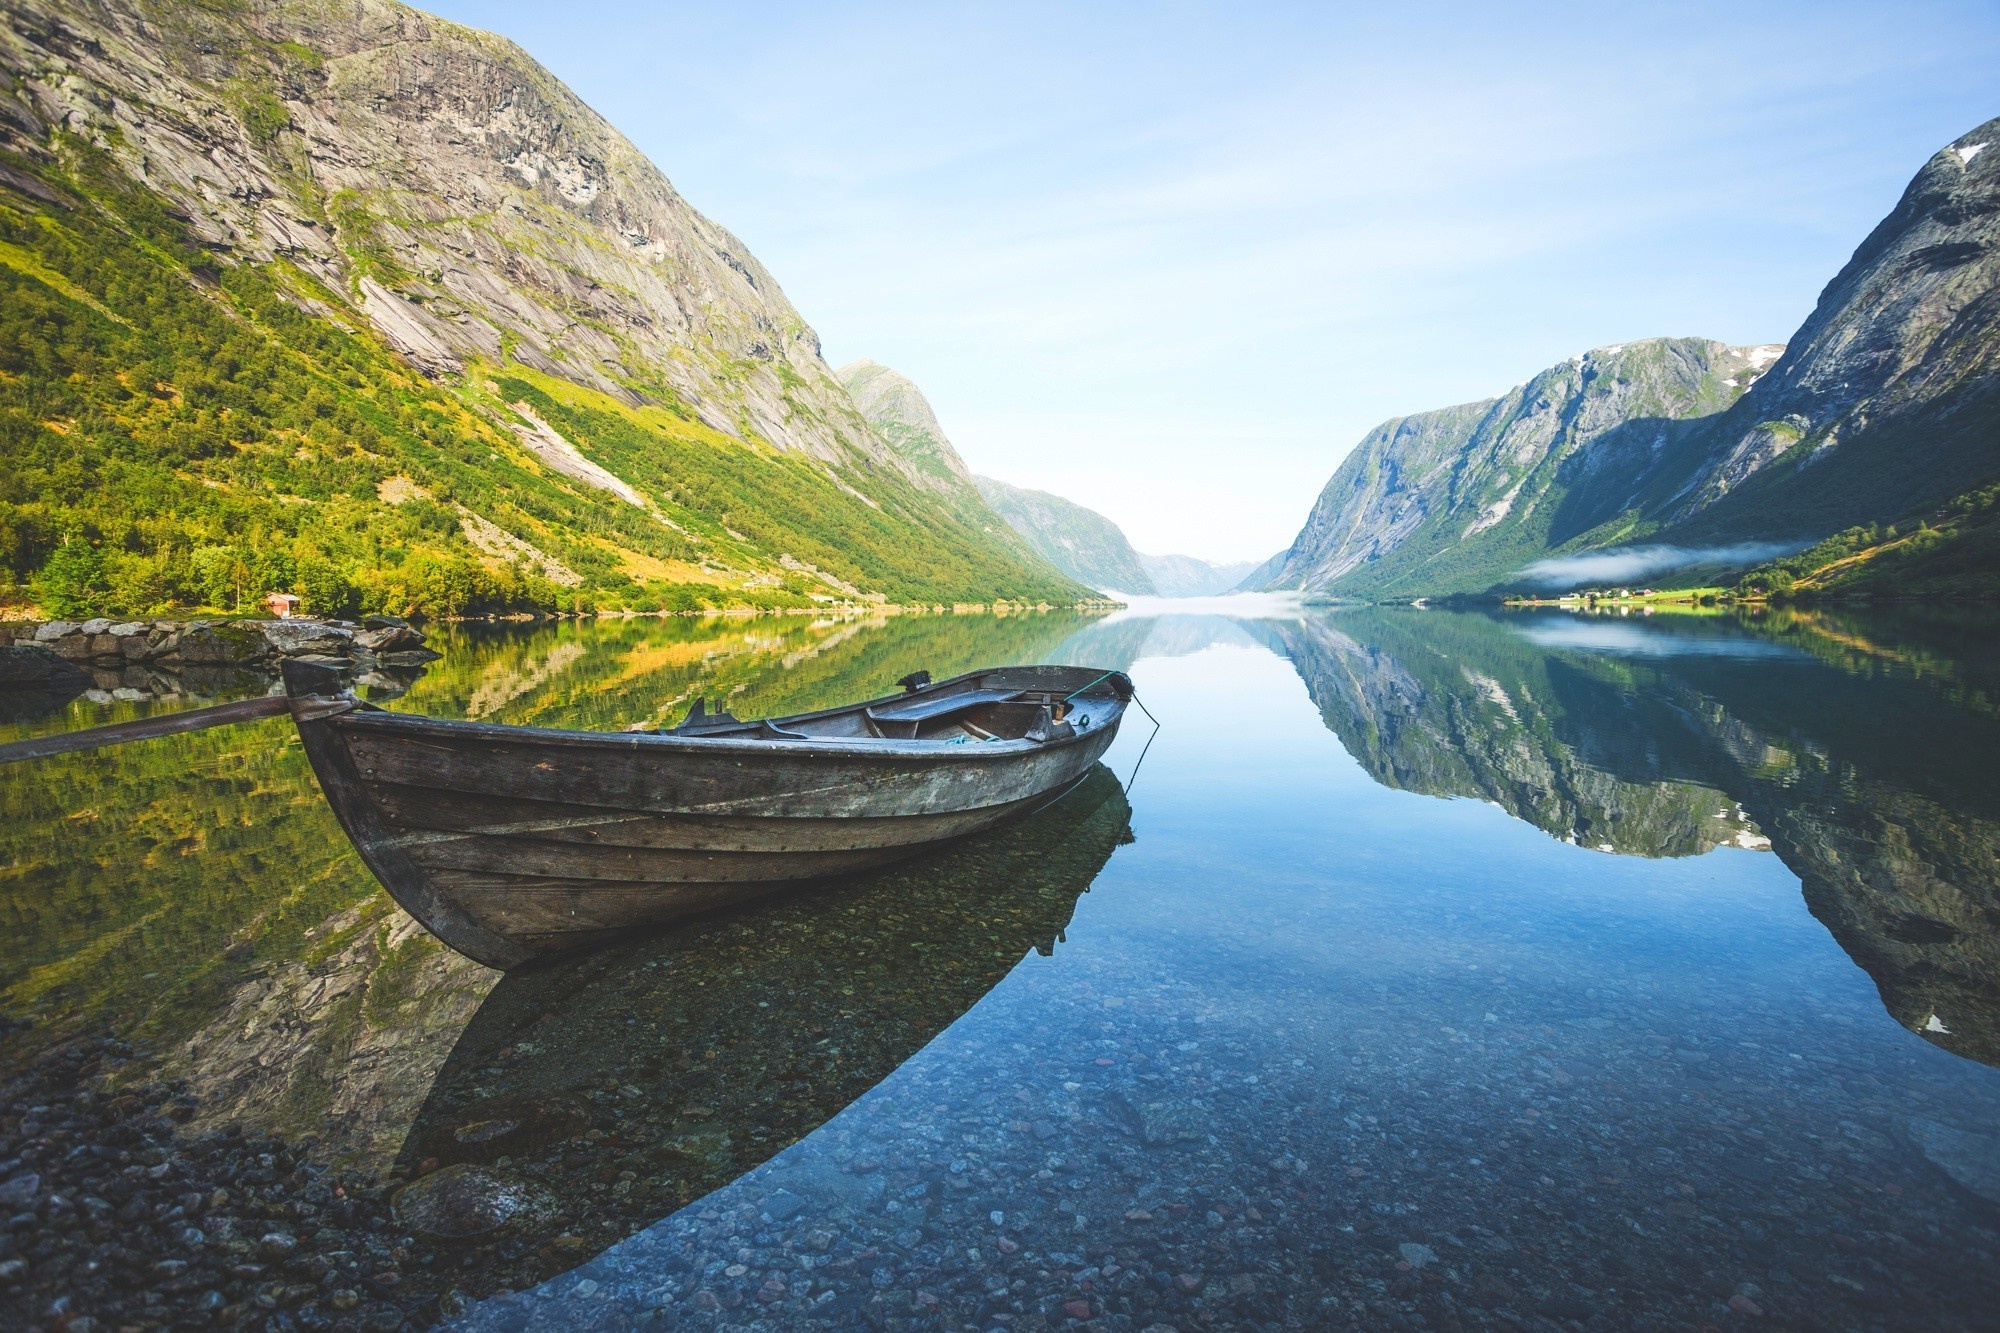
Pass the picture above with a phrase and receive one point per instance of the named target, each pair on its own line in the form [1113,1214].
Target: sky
[1173,260]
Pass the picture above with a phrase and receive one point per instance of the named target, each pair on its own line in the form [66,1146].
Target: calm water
[1440,970]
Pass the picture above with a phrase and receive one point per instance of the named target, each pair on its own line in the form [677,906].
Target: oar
[308,704]
[145,729]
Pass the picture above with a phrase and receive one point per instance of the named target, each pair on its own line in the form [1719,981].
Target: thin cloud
[1628,564]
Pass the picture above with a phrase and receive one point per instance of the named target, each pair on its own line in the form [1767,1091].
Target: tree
[72,582]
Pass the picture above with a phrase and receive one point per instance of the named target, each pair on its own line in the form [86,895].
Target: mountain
[352,300]
[1260,576]
[1081,542]
[901,417]
[1888,397]
[1885,403]
[1457,499]
[1191,576]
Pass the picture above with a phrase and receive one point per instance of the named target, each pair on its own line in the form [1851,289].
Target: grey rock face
[388,639]
[1885,397]
[1885,401]
[506,204]
[1507,477]
[296,638]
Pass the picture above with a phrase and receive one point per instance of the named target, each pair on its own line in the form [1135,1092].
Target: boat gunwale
[845,747]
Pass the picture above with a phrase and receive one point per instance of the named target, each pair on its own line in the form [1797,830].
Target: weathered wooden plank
[677,776]
[428,814]
[650,865]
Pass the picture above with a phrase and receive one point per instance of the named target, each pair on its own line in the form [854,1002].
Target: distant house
[282,604]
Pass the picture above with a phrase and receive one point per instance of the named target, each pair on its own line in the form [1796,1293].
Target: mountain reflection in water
[1866,763]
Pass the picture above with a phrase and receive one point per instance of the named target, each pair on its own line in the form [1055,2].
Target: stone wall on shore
[137,659]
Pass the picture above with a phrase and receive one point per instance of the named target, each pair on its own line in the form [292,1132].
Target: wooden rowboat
[516,843]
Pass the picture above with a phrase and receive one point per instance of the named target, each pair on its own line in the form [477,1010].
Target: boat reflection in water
[591,1096]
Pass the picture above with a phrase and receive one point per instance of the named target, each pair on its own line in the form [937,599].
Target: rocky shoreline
[116,1217]
[106,660]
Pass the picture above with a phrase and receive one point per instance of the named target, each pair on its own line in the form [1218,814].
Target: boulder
[295,638]
[95,625]
[55,629]
[379,621]
[208,645]
[388,639]
[465,1202]
[409,657]
[20,1193]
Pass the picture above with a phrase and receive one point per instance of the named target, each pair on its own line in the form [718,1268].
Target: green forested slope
[1951,552]
[1081,542]
[190,422]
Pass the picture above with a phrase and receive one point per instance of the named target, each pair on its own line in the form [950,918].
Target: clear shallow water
[1688,996]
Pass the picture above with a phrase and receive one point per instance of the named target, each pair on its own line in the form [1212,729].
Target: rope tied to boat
[1149,738]
[1099,681]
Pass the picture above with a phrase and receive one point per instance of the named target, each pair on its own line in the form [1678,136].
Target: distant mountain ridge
[1886,401]
[1074,538]
[901,417]
[1081,542]
[1191,576]
[1457,499]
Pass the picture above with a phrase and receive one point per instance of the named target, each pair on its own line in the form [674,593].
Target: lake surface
[1440,969]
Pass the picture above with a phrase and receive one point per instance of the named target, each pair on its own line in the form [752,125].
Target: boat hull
[513,843]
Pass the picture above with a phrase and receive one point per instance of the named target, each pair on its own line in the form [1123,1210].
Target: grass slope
[1951,552]
[180,432]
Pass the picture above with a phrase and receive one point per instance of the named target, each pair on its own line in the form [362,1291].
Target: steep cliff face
[461,195]
[1081,542]
[1888,396]
[1453,500]
[614,393]
[1885,403]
